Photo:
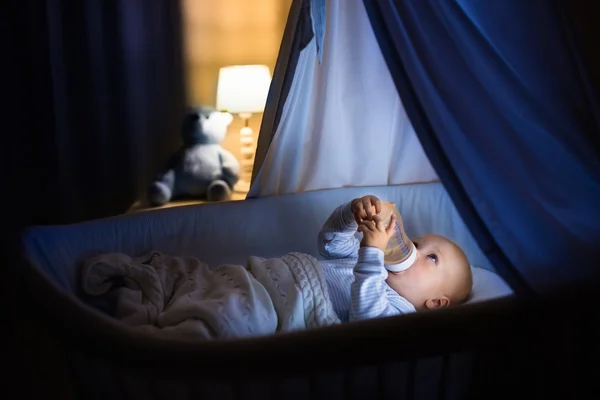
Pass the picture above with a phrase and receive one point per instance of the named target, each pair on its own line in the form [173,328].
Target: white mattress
[230,232]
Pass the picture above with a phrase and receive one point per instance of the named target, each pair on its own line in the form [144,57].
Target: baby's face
[439,273]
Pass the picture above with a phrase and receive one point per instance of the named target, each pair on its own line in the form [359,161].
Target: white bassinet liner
[229,232]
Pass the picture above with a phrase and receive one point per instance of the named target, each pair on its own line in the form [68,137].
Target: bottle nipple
[400,252]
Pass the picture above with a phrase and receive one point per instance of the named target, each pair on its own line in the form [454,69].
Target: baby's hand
[375,234]
[365,208]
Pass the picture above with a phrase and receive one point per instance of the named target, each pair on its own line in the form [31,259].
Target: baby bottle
[400,252]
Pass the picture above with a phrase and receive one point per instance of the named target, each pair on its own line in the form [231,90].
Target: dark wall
[585,19]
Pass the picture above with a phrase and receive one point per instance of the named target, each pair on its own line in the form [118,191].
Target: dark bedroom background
[92,89]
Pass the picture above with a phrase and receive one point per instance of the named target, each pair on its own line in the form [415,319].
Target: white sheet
[343,123]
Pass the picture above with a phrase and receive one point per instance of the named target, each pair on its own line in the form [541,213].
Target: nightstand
[142,205]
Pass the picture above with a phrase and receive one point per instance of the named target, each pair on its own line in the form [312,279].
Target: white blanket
[184,297]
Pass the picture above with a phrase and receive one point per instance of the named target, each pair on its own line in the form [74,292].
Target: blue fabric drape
[505,113]
[100,98]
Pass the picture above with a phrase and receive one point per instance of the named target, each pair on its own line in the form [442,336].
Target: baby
[182,296]
[359,285]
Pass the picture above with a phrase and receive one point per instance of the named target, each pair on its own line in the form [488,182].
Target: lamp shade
[243,88]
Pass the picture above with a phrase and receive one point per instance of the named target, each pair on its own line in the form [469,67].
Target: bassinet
[482,350]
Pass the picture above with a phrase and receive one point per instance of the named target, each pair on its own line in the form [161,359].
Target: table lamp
[243,90]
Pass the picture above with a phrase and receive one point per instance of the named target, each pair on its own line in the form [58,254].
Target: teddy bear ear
[227,117]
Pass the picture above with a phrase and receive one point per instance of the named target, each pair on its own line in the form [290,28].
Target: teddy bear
[201,168]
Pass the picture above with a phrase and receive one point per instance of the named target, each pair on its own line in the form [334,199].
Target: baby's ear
[432,304]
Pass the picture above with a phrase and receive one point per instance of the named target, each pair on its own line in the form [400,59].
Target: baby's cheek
[419,272]
[417,266]
[411,275]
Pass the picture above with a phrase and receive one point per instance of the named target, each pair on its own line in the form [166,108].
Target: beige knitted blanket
[183,297]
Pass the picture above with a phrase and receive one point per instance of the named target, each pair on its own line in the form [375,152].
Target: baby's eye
[433,257]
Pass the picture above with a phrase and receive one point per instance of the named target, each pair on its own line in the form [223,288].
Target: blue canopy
[505,111]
